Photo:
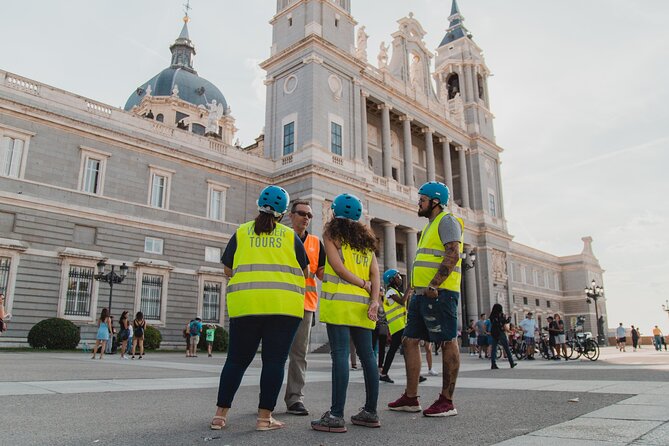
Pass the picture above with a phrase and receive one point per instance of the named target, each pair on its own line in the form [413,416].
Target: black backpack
[139,331]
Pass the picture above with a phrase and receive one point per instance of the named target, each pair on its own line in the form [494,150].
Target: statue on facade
[361,44]
[416,73]
[148,90]
[215,112]
[383,55]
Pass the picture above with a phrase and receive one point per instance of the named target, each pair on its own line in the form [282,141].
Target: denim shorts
[434,320]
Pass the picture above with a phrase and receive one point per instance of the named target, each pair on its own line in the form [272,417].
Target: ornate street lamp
[593,293]
[111,278]
[468,260]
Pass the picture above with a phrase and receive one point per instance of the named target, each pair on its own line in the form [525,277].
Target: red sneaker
[441,408]
[405,404]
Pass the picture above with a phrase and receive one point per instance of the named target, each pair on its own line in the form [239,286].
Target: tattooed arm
[451,258]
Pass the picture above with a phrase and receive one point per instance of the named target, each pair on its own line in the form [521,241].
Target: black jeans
[394,345]
[504,342]
[276,333]
[379,340]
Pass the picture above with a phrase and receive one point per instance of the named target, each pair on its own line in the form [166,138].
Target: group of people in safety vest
[272,297]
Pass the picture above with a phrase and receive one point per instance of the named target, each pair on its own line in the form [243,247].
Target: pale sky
[579,96]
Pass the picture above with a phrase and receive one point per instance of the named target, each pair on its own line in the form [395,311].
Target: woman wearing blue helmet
[349,306]
[267,266]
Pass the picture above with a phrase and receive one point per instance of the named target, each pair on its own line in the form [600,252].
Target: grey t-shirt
[449,229]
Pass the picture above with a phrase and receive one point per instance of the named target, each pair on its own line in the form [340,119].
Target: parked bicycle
[582,344]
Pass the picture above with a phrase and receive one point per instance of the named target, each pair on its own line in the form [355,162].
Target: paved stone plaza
[167,399]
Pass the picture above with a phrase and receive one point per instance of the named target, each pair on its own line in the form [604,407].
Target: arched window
[453,85]
[160,117]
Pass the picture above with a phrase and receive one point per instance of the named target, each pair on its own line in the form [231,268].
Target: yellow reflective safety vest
[396,313]
[343,303]
[267,279]
[430,254]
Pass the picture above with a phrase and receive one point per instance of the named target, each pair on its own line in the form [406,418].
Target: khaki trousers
[297,367]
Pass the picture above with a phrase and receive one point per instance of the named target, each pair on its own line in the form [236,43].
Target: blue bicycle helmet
[435,191]
[347,206]
[389,275]
[273,200]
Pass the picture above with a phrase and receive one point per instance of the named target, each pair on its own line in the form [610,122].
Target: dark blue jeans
[339,336]
[504,342]
[276,333]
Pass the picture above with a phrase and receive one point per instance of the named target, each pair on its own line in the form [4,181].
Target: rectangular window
[158,190]
[537,302]
[79,290]
[153,245]
[399,252]
[5,263]
[548,303]
[524,300]
[11,155]
[92,176]
[216,204]
[491,204]
[212,254]
[211,302]
[288,138]
[335,130]
[151,295]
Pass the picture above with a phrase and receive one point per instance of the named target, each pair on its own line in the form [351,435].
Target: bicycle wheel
[521,350]
[570,349]
[543,348]
[498,352]
[591,350]
[576,350]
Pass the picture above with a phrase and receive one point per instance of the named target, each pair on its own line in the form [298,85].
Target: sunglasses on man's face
[304,214]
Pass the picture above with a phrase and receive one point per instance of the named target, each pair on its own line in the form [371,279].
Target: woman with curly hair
[349,307]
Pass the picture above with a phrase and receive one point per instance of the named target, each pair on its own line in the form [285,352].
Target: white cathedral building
[161,185]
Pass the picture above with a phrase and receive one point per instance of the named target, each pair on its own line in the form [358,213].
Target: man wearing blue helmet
[433,309]
[394,305]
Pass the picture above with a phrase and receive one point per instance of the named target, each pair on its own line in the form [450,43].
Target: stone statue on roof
[383,55]
[216,112]
[361,44]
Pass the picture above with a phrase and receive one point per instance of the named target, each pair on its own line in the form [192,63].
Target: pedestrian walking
[620,337]
[124,333]
[498,321]
[103,334]
[210,333]
[471,334]
[635,337]
[657,338]
[267,265]
[529,326]
[349,307]
[560,337]
[300,216]
[186,335]
[195,330]
[395,309]
[138,328]
[433,309]
[482,336]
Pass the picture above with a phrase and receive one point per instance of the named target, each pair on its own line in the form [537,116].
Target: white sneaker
[432,373]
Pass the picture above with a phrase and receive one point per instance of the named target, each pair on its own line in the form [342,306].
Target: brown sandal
[268,424]
[217,426]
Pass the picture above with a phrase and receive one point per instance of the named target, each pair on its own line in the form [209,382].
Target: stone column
[485,92]
[387,151]
[316,203]
[448,169]
[364,154]
[412,247]
[389,255]
[470,83]
[408,151]
[464,184]
[471,290]
[429,153]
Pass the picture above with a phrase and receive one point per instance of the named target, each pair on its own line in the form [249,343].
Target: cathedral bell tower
[461,73]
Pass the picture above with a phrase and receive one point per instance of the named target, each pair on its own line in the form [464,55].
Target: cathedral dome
[179,78]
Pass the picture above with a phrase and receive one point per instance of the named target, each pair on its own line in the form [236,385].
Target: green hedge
[54,334]
[220,340]
[152,338]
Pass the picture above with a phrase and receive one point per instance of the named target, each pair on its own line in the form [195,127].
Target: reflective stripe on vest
[429,255]
[267,279]
[395,314]
[313,247]
[343,303]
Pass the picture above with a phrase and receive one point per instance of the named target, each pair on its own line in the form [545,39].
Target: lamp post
[593,293]
[111,278]
[468,262]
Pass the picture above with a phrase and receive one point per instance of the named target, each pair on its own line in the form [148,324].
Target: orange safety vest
[312,246]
